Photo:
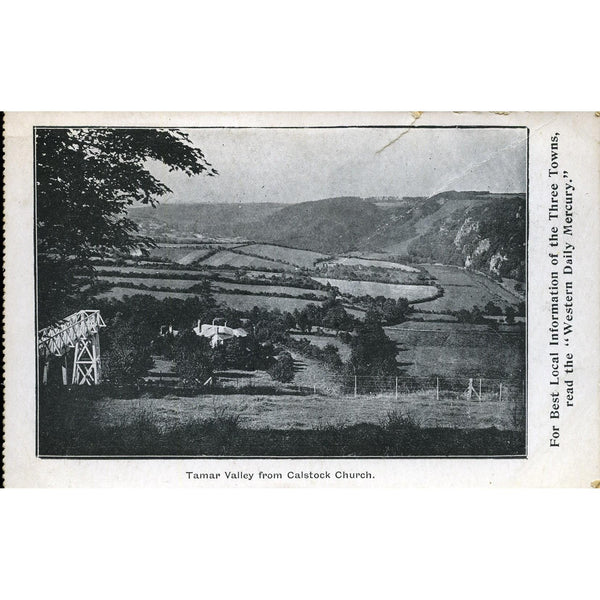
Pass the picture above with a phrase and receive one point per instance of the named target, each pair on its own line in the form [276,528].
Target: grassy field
[306,412]
[233,259]
[237,301]
[465,289]
[433,317]
[299,258]
[181,254]
[73,426]
[458,349]
[390,290]
[366,262]
[247,302]
[184,284]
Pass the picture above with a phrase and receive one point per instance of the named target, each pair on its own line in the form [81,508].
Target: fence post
[355,390]
[500,400]
[396,388]
[437,389]
[479,390]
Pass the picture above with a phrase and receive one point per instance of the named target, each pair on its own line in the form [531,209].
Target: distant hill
[218,220]
[333,225]
[481,230]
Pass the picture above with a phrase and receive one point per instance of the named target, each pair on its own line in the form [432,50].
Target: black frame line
[319,457]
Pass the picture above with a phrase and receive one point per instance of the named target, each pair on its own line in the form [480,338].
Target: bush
[193,359]
[126,358]
[283,368]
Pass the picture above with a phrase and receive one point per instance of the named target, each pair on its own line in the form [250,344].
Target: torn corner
[595,483]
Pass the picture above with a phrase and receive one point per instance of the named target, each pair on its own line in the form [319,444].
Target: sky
[299,165]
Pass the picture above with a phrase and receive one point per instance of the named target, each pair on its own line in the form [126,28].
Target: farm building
[218,334]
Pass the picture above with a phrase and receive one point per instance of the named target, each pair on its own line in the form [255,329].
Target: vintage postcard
[302,299]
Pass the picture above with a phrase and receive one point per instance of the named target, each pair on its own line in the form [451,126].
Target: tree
[193,358]
[127,351]
[373,352]
[86,178]
[289,321]
[509,311]
[283,368]
[492,309]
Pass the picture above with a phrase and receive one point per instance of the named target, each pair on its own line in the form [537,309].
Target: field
[247,302]
[226,258]
[181,253]
[416,316]
[458,349]
[185,284]
[237,301]
[299,258]
[366,262]
[307,412]
[465,289]
[412,293]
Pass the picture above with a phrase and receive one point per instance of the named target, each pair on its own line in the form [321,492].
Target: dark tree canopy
[373,352]
[127,357]
[86,178]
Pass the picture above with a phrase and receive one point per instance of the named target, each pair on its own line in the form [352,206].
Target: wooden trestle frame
[78,331]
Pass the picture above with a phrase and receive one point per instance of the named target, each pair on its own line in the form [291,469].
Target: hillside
[474,229]
[331,226]
[218,220]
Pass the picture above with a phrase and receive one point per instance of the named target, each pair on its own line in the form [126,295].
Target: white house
[218,334]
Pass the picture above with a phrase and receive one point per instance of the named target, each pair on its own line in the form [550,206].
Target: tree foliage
[193,358]
[86,178]
[283,368]
[373,352]
[127,351]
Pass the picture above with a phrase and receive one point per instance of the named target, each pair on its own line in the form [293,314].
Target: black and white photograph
[281,291]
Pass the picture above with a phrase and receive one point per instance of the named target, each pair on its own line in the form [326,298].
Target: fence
[436,388]
[430,401]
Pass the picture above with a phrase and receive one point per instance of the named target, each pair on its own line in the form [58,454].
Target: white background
[308,56]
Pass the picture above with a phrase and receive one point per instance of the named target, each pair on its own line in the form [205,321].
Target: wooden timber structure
[77,332]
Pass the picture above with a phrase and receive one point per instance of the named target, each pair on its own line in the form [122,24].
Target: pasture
[181,253]
[459,350]
[226,258]
[417,316]
[247,302]
[465,289]
[299,258]
[237,301]
[291,411]
[412,293]
[367,262]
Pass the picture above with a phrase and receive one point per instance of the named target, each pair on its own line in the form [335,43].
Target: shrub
[193,360]
[283,368]
[127,355]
